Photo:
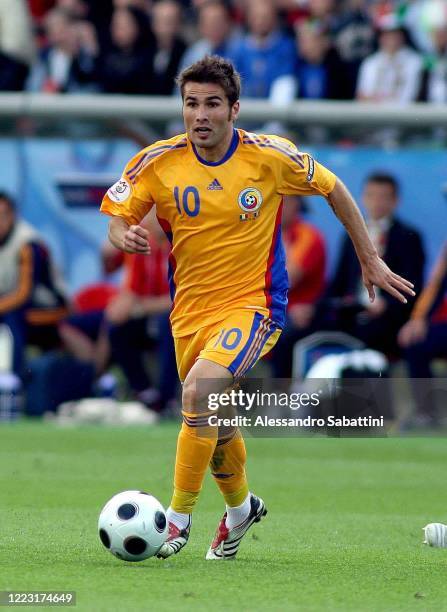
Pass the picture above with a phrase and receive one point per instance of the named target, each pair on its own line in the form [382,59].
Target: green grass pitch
[343,530]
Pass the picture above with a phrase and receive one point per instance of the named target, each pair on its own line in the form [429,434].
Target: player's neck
[215,154]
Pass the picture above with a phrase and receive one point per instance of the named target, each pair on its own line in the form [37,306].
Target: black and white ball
[133,525]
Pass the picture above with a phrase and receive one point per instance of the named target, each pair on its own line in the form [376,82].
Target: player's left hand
[376,272]
[135,240]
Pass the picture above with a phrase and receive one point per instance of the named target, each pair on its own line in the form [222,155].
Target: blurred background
[360,84]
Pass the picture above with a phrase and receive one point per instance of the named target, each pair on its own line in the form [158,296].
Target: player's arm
[374,269]
[127,202]
[300,174]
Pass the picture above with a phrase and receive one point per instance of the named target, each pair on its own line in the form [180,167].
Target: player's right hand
[375,272]
[136,240]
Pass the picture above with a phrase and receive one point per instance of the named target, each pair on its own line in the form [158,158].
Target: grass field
[343,530]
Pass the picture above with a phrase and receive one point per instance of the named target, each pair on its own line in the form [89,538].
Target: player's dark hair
[384,179]
[213,69]
[5,197]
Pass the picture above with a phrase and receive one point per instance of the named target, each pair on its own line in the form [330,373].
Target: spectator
[266,56]
[217,35]
[31,298]
[420,17]
[320,71]
[306,261]
[64,64]
[326,12]
[100,15]
[76,8]
[17,48]
[143,5]
[354,40]
[125,66]
[169,46]
[377,323]
[392,74]
[91,14]
[423,338]
[434,76]
[16,39]
[13,74]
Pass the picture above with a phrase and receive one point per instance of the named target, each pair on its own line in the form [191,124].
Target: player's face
[6,219]
[380,200]
[208,115]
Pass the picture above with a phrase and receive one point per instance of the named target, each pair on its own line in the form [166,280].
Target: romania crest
[249,200]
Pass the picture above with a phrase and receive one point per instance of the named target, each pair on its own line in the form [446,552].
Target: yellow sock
[195,447]
[228,469]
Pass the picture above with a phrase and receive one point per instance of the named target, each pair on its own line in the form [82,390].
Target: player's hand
[136,240]
[414,331]
[376,272]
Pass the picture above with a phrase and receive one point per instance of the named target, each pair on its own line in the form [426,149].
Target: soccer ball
[133,526]
[435,535]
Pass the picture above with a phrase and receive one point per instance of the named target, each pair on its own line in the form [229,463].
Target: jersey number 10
[185,199]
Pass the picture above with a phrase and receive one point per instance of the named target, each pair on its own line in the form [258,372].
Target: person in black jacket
[400,245]
[125,65]
[169,46]
[320,71]
[13,73]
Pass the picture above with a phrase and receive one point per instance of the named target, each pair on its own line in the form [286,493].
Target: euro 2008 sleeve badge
[120,191]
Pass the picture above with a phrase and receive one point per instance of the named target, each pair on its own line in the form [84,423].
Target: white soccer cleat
[435,535]
[226,541]
[177,539]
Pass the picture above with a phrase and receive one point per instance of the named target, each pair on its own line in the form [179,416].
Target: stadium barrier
[324,113]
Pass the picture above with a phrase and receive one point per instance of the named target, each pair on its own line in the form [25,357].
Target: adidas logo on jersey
[214,186]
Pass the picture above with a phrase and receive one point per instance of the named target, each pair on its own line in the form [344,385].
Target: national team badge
[249,200]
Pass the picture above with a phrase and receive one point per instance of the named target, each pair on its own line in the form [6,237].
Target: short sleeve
[301,174]
[130,198]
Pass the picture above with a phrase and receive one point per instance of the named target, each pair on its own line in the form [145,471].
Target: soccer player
[218,195]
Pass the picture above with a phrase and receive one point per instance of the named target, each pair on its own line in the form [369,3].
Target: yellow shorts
[236,343]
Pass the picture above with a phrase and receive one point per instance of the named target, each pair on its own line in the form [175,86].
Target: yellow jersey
[223,220]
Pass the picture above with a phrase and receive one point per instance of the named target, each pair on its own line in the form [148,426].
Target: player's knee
[195,395]
[190,399]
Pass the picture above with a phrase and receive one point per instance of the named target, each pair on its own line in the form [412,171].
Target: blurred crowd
[377,50]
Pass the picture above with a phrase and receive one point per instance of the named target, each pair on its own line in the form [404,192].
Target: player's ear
[235,111]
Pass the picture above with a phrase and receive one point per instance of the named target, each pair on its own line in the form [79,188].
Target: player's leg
[195,447]
[245,338]
[243,508]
